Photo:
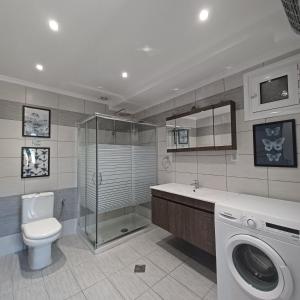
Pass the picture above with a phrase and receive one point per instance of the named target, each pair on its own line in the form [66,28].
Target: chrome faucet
[196,184]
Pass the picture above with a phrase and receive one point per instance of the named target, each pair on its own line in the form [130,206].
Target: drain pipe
[62,205]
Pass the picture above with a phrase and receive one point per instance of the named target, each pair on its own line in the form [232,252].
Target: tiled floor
[172,272]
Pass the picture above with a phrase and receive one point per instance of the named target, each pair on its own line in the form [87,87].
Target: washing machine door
[258,268]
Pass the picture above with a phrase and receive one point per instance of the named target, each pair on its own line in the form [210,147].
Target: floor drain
[124,230]
[139,268]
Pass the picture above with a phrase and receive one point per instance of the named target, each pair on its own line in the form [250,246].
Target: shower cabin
[117,164]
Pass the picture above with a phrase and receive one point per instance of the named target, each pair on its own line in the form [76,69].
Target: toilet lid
[41,229]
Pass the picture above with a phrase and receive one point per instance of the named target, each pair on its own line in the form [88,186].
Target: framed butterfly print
[275,144]
[35,162]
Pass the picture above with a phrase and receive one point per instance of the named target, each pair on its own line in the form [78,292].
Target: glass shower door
[88,180]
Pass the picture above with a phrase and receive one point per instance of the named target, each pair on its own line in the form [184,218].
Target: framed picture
[183,136]
[36,122]
[275,144]
[35,162]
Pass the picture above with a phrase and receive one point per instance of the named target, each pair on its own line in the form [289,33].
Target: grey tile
[10,224]
[23,276]
[8,265]
[87,274]
[70,103]
[192,279]
[40,97]
[125,253]
[6,287]
[69,118]
[10,110]
[61,285]
[164,260]
[91,107]
[59,262]
[102,290]
[109,262]
[212,294]
[128,284]
[6,296]
[143,245]
[13,92]
[152,274]
[170,289]
[79,296]
[34,292]
[157,235]
[149,295]
[71,208]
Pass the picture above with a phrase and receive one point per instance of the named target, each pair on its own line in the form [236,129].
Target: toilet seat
[41,229]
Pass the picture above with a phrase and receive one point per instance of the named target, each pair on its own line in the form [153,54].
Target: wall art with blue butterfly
[275,144]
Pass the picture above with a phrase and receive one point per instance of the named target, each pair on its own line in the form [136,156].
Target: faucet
[196,184]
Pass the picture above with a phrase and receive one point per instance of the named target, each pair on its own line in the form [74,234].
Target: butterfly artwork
[272,131]
[275,144]
[35,162]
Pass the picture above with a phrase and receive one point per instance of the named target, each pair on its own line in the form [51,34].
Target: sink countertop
[205,194]
[281,209]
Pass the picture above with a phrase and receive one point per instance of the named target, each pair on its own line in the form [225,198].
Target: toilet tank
[37,206]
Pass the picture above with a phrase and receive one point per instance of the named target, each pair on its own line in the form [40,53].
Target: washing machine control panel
[251,223]
[254,223]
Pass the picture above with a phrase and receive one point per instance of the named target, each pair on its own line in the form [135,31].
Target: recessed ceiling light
[146,49]
[39,67]
[54,26]
[175,90]
[124,75]
[203,15]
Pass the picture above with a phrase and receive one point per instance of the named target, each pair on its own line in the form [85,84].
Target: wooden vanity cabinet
[186,218]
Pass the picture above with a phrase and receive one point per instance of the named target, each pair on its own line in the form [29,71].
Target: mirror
[208,128]
[171,126]
[222,126]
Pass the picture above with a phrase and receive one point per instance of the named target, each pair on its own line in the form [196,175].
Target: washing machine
[258,249]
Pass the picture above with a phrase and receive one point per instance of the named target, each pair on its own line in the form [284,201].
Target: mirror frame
[232,146]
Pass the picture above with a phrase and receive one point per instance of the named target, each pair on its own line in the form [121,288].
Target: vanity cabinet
[186,218]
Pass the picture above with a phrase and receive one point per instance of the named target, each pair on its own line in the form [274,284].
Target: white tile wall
[10,129]
[11,186]
[232,170]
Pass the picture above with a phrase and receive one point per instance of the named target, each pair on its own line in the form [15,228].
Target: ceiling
[98,39]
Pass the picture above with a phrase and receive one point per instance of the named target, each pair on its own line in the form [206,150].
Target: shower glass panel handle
[93,180]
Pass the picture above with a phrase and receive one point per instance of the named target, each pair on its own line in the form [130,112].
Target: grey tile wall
[65,113]
[10,210]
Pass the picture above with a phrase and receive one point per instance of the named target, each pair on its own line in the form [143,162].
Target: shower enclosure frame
[83,125]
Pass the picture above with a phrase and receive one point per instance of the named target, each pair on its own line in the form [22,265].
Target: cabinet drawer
[160,213]
[192,225]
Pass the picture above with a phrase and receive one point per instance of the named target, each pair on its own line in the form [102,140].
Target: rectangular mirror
[208,128]
[222,126]
[171,126]
[205,128]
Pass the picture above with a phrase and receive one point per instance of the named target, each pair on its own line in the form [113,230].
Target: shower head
[292,10]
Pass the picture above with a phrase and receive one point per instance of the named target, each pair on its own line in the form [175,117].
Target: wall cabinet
[189,219]
[208,128]
[272,90]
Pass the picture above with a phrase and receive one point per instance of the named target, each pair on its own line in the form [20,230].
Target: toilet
[39,228]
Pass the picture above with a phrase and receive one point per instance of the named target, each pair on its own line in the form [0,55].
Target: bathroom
[157,164]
